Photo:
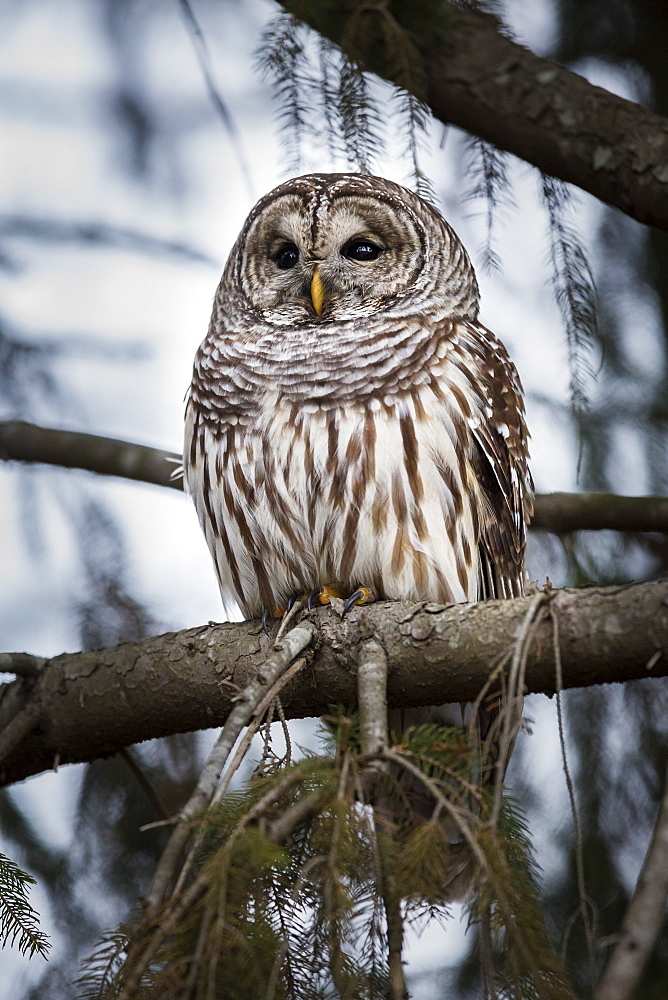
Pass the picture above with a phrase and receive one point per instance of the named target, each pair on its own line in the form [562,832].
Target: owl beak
[317,291]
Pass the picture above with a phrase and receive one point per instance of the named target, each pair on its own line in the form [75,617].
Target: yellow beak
[317,292]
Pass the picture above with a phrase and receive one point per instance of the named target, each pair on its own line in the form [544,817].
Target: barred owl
[351,427]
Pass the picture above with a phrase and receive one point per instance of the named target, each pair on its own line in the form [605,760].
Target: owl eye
[286,256]
[361,250]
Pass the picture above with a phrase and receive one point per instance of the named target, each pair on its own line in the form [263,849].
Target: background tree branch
[91,704]
[478,79]
[557,512]
[643,919]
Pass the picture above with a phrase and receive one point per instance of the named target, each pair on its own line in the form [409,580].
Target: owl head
[326,248]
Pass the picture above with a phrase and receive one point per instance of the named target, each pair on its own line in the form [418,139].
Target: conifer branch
[560,513]
[478,79]
[18,920]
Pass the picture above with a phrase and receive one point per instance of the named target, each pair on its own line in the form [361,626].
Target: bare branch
[204,60]
[24,442]
[97,234]
[557,512]
[95,702]
[643,918]
[21,664]
[372,695]
[565,512]
[478,79]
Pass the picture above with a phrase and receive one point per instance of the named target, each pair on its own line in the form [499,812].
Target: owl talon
[363,595]
[321,595]
[293,598]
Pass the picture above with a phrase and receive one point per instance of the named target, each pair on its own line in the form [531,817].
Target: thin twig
[245,704]
[514,695]
[292,670]
[287,619]
[148,788]
[372,697]
[163,923]
[577,829]
[241,752]
[643,918]
[287,757]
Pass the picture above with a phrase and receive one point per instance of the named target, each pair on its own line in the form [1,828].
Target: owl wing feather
[500,462]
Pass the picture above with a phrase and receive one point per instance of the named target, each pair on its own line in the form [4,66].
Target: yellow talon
[327,593]
[367,595]
[363,595]
[321,595]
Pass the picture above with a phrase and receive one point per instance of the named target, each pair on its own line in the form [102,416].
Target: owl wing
[500,461]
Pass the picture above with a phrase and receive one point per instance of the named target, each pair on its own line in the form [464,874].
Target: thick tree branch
[91,704]
[478,79]
[557,512]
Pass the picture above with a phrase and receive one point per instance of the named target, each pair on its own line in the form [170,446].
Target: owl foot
[321,595]
[363,595]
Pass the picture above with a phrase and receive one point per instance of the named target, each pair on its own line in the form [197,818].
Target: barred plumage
[381,442]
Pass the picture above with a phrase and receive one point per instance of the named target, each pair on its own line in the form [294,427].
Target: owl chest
[363,493]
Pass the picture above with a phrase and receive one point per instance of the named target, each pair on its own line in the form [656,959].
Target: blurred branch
[560,513]
[97,233]
[476,78]
[643,918]
[204,60]
[91,704]
[24,442]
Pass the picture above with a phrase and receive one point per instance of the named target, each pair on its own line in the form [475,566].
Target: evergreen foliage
[18,920]
[284,898]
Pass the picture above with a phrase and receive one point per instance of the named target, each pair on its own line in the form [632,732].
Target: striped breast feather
[500,459]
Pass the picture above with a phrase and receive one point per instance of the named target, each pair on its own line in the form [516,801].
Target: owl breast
[379,493]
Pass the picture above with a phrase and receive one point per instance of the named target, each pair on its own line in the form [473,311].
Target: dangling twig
[204,60]
[245,704]
[241,751]
[585,902]
[148,788]
[515,694]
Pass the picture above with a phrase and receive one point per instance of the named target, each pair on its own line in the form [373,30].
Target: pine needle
[18,920]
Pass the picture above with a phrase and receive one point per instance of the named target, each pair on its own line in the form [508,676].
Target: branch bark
[560,513]
[643,918]
[91,704]
[480,80]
